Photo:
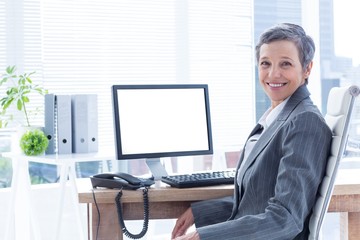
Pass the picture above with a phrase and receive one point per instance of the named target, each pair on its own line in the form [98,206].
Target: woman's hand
[190,236]
[183,223]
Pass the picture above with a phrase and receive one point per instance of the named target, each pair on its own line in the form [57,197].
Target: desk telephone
[120,180]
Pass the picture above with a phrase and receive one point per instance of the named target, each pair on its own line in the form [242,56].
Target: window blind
[221,54]
[79,46]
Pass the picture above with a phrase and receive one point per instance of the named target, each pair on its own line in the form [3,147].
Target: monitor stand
[156,168]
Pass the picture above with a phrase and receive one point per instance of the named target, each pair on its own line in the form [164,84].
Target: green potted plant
[18,89]
[34,142]
[17,92]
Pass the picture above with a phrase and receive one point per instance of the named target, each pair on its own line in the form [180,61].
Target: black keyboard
[200,179]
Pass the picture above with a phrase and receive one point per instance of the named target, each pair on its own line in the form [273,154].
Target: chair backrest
[339,108]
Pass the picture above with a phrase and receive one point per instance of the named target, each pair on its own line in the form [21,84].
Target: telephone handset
[121,181]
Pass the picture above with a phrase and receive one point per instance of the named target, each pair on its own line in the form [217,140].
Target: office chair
[339,108]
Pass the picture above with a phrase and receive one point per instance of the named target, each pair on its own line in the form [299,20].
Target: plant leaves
[19,104]
[3,80]
[25,99]
[41,90]
[28,79]
[7,103]
[34,142]
[10,69]
[22,86]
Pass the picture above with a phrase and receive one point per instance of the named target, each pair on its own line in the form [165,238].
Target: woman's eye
[264,63]
[286,64]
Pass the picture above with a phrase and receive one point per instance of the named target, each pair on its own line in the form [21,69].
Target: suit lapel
[256,128]
[261,144]
[299,95]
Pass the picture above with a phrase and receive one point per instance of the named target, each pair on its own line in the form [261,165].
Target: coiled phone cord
[146,216]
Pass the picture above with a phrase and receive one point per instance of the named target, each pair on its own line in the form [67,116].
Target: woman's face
[280,70]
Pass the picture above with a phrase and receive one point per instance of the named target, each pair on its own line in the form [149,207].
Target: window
[80,46]
[90,46]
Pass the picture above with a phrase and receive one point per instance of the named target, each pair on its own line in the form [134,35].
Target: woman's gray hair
[290,32]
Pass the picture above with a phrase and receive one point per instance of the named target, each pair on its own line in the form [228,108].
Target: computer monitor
[155,121]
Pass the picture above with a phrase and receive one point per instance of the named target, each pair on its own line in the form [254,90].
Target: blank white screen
[162,120]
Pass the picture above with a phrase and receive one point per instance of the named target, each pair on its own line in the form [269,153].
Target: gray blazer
[279,181]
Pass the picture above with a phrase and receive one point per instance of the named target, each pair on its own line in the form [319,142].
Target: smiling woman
[276,180]
[79,46]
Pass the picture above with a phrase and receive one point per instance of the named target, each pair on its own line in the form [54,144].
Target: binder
[49,126]
[63,123]
[85,123]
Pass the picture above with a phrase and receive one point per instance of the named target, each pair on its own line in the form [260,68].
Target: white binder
[49,128]
[63,123]
[85,123]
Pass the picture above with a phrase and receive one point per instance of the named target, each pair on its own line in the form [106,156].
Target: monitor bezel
[117,128]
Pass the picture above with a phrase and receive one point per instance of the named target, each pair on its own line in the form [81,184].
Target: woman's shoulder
[309,117]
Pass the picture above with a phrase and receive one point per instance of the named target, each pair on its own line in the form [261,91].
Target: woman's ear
[308,70]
